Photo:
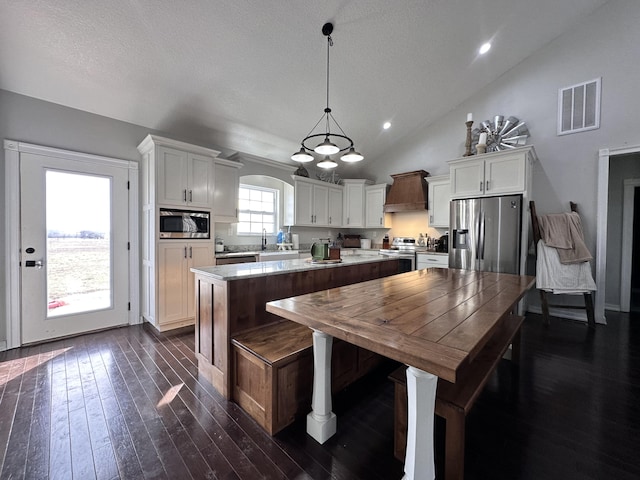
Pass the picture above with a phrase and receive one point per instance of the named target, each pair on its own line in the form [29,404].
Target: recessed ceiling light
[386,125]
[485,48]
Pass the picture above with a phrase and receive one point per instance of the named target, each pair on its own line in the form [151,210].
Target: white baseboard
[3,346]
[613,308]
[561,312]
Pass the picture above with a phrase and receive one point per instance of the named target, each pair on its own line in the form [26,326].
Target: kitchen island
[230,303]
[436,321]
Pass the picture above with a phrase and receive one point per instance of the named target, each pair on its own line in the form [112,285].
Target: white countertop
[250,253]
[260,269]
[432,252]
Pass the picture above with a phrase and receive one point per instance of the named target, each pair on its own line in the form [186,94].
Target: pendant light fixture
[331,143]
[327,163]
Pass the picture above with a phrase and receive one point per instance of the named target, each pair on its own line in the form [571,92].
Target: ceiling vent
[408,192]
[579,107]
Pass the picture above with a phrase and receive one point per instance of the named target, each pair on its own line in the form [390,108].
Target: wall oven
[175,224]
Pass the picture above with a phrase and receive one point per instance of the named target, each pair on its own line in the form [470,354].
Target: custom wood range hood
[408,192]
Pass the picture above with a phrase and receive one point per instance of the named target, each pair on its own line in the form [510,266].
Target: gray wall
[604,45]
[34,121]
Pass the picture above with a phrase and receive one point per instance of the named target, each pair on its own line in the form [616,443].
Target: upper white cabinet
[496,173]
[375,196]
[311,204]
[176,174]
[335,206]
[439,199]
[225,194]
[184,178]
[354,202]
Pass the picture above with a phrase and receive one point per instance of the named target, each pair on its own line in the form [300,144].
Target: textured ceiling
[250,74]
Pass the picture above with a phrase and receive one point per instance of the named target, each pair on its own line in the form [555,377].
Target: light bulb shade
[327,163]
[326,147]
[302,156]
[351,156]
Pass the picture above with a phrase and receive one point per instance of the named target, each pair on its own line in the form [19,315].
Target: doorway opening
[635,255]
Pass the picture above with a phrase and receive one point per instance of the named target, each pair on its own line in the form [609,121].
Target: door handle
[191,195]
[481,185]
[34,263]
[486,188]
[190,252]
[481,236]
[184,194]
[185,252]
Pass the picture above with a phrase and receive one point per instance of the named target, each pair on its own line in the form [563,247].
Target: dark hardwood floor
[128,403]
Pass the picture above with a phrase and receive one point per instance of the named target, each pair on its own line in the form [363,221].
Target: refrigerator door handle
[481,237]
[477,237]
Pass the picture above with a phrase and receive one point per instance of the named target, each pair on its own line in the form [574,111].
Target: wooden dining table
[436,321]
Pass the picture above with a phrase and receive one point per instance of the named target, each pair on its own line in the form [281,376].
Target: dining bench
[272,377]
[455,400]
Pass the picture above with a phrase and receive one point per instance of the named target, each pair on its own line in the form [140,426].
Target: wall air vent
[579,107]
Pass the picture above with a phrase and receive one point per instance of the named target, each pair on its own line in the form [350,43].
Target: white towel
[555,277]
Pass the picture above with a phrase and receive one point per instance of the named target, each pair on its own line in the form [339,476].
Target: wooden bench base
[273,371]
[454,400]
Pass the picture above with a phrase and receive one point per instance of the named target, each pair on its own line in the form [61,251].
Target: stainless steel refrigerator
[484,234]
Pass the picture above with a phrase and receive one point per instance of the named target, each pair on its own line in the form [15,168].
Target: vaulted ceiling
[251,74]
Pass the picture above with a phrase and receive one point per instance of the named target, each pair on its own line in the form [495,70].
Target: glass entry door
[74,255]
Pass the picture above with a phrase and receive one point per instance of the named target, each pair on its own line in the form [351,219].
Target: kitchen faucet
[264,239]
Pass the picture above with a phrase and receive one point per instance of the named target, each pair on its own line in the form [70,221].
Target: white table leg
[321,422]
[419,461]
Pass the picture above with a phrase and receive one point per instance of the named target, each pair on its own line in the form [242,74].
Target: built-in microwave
[184,224]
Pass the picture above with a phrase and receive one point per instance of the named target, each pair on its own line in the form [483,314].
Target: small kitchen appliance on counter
[443,244]
[351,241]
[219,245]
[320,249]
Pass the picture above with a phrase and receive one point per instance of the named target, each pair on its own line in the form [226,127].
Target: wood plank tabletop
[433,319]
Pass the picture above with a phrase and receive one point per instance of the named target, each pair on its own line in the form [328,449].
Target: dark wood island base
[262,363]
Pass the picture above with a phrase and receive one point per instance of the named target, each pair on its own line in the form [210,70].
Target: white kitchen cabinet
[354,202]
[439,199]
[184,178]
[335,206]
[225,195]
[170,167]
[375,196]
[312,202]
[428,260]
[176,291]
[490,174]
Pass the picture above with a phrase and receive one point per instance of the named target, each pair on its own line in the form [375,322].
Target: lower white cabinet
[439,199]
[175,294]
[428,260]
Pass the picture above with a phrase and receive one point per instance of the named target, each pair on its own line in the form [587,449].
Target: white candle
[469,117]
[483,139]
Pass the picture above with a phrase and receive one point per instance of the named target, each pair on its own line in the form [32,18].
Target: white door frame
[605,155]
[630,185]
[12,151]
